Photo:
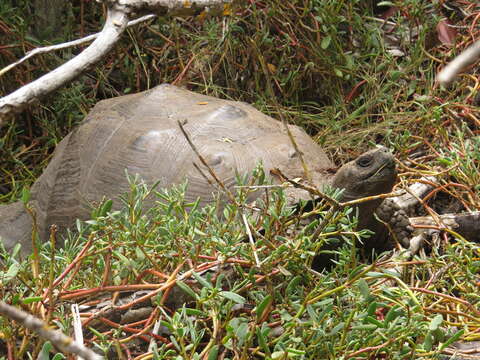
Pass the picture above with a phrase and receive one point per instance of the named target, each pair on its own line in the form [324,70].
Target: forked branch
[119,13]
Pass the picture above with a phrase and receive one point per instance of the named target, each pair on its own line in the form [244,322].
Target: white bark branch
[57,338]
[466,58]
[114,26]
[172,7]
[56,47]
[117,20]
[415,192]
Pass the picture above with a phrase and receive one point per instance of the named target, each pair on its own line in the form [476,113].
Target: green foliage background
[296,59]
[324,65]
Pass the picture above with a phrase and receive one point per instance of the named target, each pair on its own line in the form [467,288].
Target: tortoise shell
[140,133]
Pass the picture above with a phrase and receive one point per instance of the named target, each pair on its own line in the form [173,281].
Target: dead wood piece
[58,339]
[15,102]
[416,191]
[466,58]
[51,48]
[467,224]
[118,15]
[172,7]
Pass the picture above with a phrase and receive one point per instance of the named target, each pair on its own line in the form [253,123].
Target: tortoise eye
[364,161]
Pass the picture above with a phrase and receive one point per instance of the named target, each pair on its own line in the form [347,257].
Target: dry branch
[466,58]
[119,13]
[414,193]
[114,26]
[467,224]
[65,45]
[58,339]
[171,7]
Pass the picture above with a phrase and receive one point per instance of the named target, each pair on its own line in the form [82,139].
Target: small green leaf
[11,272]
[392,314]
[262,339]
[199,232]
[194,312]
[311,312]
[395,75]
[31,299]
[451,340]
[106,207]
[366,327]
[374,321]
[295,352]
[325,42]
[213,353]
[127,262]
[219,281]
[293,284]
[364,289]
[352,274]
[375,274]
[263,306]
[16,250]
[428,342]
[372,308]
[239,327]
[328,309]
[202,281]
[232,296]
[46,348]
[187,289]
[25,196]
[337,328]
[96,333]
[139,254]
[436,322]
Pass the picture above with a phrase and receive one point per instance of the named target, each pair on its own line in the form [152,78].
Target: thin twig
[311,189]
[253,187]
[77,325]
[284,122]
[250,238]
[204,162]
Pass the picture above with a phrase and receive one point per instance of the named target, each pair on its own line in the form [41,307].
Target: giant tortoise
[140,133]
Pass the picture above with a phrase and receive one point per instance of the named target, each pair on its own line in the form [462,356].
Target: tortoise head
[372,173]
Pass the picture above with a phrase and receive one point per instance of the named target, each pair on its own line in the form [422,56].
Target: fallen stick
[63,342]
[465,224]
[466,58]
